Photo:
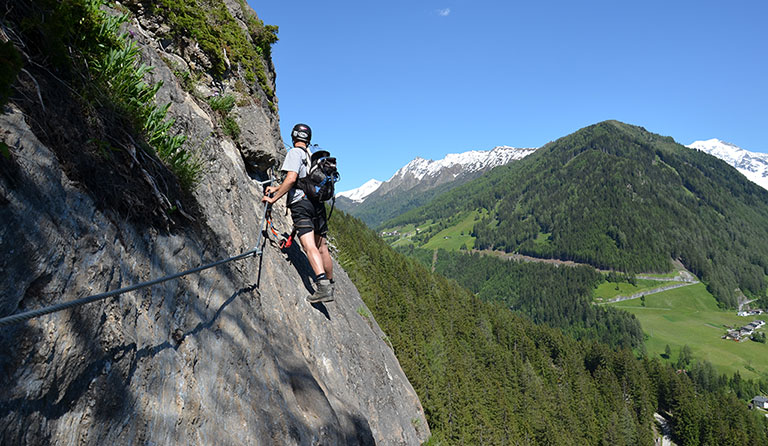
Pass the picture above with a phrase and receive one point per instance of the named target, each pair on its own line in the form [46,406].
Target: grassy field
[689,315]
[453,238]
[403,237]
[608,290]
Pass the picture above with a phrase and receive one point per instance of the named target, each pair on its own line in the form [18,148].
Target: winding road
[651,291]
[682,275]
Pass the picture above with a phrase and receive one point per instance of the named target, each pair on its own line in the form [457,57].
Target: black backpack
[321,177]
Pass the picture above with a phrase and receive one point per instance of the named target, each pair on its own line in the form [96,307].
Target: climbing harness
[256,251]
[285,244]
[282,243]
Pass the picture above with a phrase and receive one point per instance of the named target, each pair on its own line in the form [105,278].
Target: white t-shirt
[296,161]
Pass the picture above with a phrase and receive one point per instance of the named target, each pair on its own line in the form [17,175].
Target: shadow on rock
[337,428]
[299,261]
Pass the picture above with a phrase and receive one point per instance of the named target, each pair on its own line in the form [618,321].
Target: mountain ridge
[359,194]
[420,179]
[470,161]
[585,196]
[753,165]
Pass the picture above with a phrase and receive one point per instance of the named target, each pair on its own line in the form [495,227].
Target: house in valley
[760,402]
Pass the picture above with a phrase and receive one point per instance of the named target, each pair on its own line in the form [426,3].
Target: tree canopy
[547,294]
[618,197]
[486,375]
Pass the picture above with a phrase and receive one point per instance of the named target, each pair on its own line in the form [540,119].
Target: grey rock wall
[259,143]
[232,355]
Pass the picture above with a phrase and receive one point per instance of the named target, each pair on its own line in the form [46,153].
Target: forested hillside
[547,294]
[617,196]
[488,376]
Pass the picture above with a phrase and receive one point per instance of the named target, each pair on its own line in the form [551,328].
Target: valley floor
[690,316]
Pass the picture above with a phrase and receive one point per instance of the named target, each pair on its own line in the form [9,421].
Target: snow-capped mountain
[431,173]
[459,163]
[359,194]
[426,174]
[421,179]
[752,165]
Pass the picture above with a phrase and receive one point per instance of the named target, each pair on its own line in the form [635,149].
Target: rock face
[231,355]
[259,142]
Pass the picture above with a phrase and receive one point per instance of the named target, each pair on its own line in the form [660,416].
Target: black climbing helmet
[301,132]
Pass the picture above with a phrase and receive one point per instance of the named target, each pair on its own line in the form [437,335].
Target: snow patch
[460,163]
[752,165]
[471,161]
[359,194]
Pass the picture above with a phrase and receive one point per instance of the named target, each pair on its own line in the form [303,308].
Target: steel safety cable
[26,315]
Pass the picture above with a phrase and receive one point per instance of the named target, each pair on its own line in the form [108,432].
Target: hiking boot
[323,292]
[328,296]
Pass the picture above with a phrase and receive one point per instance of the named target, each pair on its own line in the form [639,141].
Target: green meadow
[402,238]
[454,237]
[609,290]
[689,315]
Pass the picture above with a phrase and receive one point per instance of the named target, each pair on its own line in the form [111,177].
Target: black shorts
[309,216]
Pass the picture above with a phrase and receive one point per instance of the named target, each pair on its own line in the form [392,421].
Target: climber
[308,216]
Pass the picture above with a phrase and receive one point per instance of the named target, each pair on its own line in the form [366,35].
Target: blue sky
[383,82]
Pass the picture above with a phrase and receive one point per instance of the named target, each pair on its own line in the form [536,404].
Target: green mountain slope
[487,376]
[617,196]
[378,209]
[560,297]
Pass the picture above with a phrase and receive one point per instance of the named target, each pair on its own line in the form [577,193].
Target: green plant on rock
[241,87]
[124,76]
[230,127]
[220,37]
[5,151]
[362,311]
[117,76]
[222,103]
[263,36]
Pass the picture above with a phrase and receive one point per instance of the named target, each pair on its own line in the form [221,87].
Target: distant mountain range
[752,165]
[419,180]
[617,197]
[426,173]
[359,194]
